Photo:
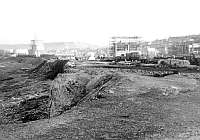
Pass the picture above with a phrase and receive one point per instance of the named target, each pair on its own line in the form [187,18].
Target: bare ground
[136,107]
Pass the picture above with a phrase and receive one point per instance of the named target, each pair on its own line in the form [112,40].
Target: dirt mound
[49,70]
[71,89]
[66,91]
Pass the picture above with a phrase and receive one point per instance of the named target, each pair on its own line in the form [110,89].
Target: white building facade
[120,46]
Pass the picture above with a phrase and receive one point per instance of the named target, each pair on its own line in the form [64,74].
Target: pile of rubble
[161,73]
[174,62]
[155,73]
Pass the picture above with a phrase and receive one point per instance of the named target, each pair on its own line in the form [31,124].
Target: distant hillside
[62,45]
[14,46]
[51,45]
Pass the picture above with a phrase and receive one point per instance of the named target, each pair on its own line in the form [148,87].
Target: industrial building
[160,46]
[120,46]
[178,46]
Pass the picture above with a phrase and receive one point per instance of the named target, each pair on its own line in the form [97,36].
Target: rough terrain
[131,106]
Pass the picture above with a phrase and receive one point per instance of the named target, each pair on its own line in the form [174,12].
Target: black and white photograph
[99,70]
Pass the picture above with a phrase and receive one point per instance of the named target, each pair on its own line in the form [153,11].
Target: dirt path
[137,107]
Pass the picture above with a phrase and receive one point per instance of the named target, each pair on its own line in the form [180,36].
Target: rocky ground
[114,104]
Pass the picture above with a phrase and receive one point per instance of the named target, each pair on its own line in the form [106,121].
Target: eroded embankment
[64,92]
[68,90]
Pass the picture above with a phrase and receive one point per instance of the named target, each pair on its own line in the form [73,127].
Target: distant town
[118,46]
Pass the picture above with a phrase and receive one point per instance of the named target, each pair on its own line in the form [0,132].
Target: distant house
[35,48]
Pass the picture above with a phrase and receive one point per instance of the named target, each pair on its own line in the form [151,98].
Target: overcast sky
[94,21]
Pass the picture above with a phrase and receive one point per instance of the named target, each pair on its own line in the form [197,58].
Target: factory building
[161,46]
[178,46]
[120,46]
